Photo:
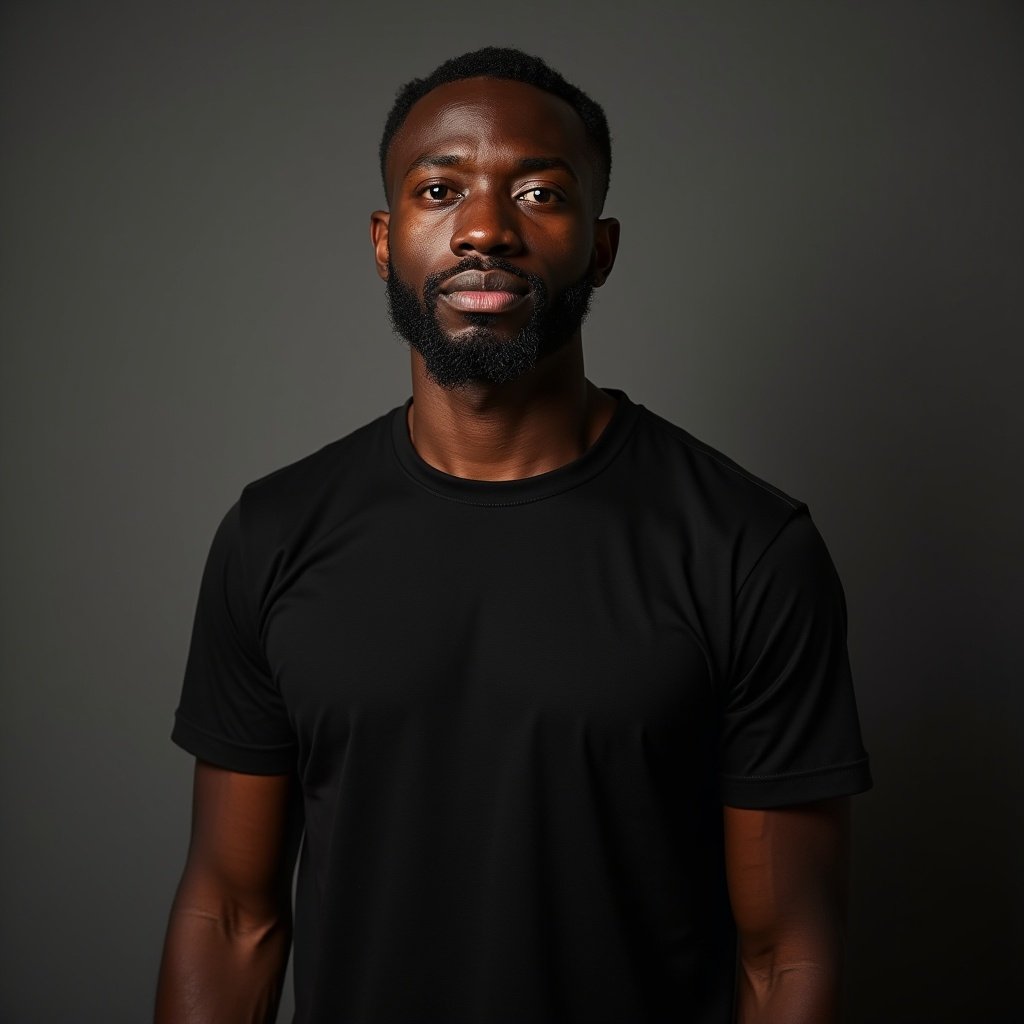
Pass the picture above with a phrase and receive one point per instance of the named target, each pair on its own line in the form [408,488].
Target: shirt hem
[232,756]
[755,792]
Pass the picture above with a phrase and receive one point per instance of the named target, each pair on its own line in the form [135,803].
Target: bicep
[787,872]
[245,831]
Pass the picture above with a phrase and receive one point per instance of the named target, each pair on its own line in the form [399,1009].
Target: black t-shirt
[516,709]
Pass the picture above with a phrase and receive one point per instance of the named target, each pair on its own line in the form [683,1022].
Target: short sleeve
[231,712]
[790,731]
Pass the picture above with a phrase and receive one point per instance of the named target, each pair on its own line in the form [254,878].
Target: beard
[482,353]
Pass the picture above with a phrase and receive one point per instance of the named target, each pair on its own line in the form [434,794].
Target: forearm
[789,993]
[221,967]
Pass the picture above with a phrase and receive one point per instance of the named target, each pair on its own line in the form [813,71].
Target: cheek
[564,252]
[419,241]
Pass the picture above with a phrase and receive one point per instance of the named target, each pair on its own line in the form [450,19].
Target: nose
[486,223]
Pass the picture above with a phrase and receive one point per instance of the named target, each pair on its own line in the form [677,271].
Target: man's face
[492,245]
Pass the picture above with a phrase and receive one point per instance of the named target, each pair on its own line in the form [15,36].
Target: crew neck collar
[526,489]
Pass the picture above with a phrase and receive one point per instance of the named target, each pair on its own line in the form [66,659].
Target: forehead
[490,115]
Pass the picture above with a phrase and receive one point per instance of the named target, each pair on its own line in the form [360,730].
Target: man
[557,695]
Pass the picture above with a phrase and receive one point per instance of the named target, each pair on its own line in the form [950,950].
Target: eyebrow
[435,160]
[547,163]
[528,163]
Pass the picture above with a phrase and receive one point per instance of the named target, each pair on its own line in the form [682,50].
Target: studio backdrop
[820,274]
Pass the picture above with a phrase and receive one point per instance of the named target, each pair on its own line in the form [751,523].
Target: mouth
[483,302]
[492,291]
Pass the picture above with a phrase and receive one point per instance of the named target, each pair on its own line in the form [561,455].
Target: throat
[500,441]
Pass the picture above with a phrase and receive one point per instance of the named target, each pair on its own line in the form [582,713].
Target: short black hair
[504,62]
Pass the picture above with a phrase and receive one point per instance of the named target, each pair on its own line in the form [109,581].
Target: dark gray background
[820,274]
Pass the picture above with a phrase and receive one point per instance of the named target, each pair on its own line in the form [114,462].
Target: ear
[606,245]
[379,221]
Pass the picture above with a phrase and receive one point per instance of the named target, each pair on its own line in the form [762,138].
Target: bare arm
[788,877]
[230,927]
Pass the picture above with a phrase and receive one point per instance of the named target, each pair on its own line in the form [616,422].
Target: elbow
[237,923]
[774,987]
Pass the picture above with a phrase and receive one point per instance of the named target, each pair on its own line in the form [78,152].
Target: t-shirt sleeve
[791,732]
[231,712]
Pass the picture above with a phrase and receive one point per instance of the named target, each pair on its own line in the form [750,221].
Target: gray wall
[821,274]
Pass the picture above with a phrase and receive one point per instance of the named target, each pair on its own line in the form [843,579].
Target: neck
[535,424]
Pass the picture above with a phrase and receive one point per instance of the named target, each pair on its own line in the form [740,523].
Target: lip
[468,301]
[485,291]
[485,281]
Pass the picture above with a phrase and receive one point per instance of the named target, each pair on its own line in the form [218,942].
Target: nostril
[486,240]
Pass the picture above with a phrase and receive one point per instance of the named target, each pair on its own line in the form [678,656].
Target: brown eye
[438,192]
[540,196]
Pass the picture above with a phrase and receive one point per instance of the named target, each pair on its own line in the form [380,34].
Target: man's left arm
[788,875]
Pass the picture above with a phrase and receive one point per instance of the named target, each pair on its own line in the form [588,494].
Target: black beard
[481,354]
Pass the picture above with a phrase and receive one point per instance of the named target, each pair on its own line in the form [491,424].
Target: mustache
[433,282]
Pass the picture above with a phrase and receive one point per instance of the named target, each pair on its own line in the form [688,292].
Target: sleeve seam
[800,509]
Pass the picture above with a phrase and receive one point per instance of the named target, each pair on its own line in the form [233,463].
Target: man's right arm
[230,927]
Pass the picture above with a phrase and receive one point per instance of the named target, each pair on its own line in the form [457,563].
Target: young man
[557,695]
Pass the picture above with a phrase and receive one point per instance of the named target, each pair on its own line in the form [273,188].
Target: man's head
[495,169]
[514,66]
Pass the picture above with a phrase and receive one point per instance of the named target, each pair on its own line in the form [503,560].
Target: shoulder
[302,500]
[721,475]
[726,508]
[322,466]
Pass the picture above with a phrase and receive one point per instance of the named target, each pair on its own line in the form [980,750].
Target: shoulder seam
[725,462]
[796,511]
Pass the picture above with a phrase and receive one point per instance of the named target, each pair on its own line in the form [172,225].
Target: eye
[540,196]
[439,193]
